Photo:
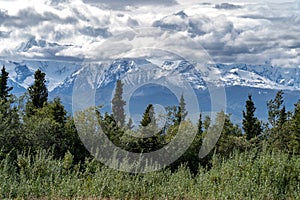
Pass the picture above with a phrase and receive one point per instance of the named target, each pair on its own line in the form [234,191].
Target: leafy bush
[248,175]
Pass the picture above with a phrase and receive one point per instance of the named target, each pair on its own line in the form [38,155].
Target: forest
[42,155]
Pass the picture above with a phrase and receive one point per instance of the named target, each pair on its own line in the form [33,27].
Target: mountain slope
[262,81]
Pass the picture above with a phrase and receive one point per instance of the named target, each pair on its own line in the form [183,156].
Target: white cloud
[234,31]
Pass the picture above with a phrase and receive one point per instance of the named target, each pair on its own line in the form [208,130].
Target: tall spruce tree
[148,128]
[4,88]
[251,124]
[118,104]
[183,111]
[294,142]
[200,125]
[5,100]
[10,134]
[276,110]
[38,92]
[206,122]
[279,133]
[179,112]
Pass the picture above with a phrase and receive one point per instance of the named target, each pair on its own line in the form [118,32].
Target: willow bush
[247,175]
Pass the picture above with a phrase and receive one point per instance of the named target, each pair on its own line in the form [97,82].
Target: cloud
[229,32]
[120,4]
[95,32]
[227,6]
[4,34]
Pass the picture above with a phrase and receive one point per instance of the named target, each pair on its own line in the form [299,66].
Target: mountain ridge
[238,80]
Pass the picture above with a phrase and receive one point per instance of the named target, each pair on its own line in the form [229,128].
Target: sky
[232,31]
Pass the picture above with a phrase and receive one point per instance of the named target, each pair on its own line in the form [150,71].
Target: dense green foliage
[42,154]
[248,175]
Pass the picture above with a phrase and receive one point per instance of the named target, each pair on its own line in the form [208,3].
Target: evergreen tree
[4,89]
[130,124]
[206,122]
[200,125]
[5,100]
[111,129]
[118,104]
[178,116]
[294,142]
[251,124]
[182,109]
[38,93]
[58,111]
[276,110]
[10,126]
[279,134]
[148,116]
[179,112]
[171,118]
[230,135]
[282,117]
[151,139]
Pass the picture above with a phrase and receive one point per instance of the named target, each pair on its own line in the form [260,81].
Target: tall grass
[248,175]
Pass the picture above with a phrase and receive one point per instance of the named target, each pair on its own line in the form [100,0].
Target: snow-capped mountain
[262,81]
[60,74]
[260,76]
[21,72]
[33,43]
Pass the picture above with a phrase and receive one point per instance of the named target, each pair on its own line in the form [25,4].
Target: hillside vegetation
[43,156]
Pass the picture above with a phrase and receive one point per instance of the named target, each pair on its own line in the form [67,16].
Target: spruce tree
[278,118]
[10,134]
[282,117]
[4,89]
[5,100]
[183,111]
[118,104]
[58,111]
[130,124]
[276,110]
[294,142]
[180,112]
[251,124]
[206,122]
[148,116]
[148,128]
[111,129]
[178,116]
[200,125]
[38,92]
[229,134]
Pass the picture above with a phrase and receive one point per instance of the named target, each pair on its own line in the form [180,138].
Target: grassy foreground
[248,175]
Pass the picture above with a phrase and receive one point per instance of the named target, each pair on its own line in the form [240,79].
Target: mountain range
[239,80]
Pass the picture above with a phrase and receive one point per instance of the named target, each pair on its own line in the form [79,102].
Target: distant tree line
[32,122]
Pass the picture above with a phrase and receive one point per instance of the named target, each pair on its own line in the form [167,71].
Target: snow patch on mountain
[260,76]
[56,72]
[61,75]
